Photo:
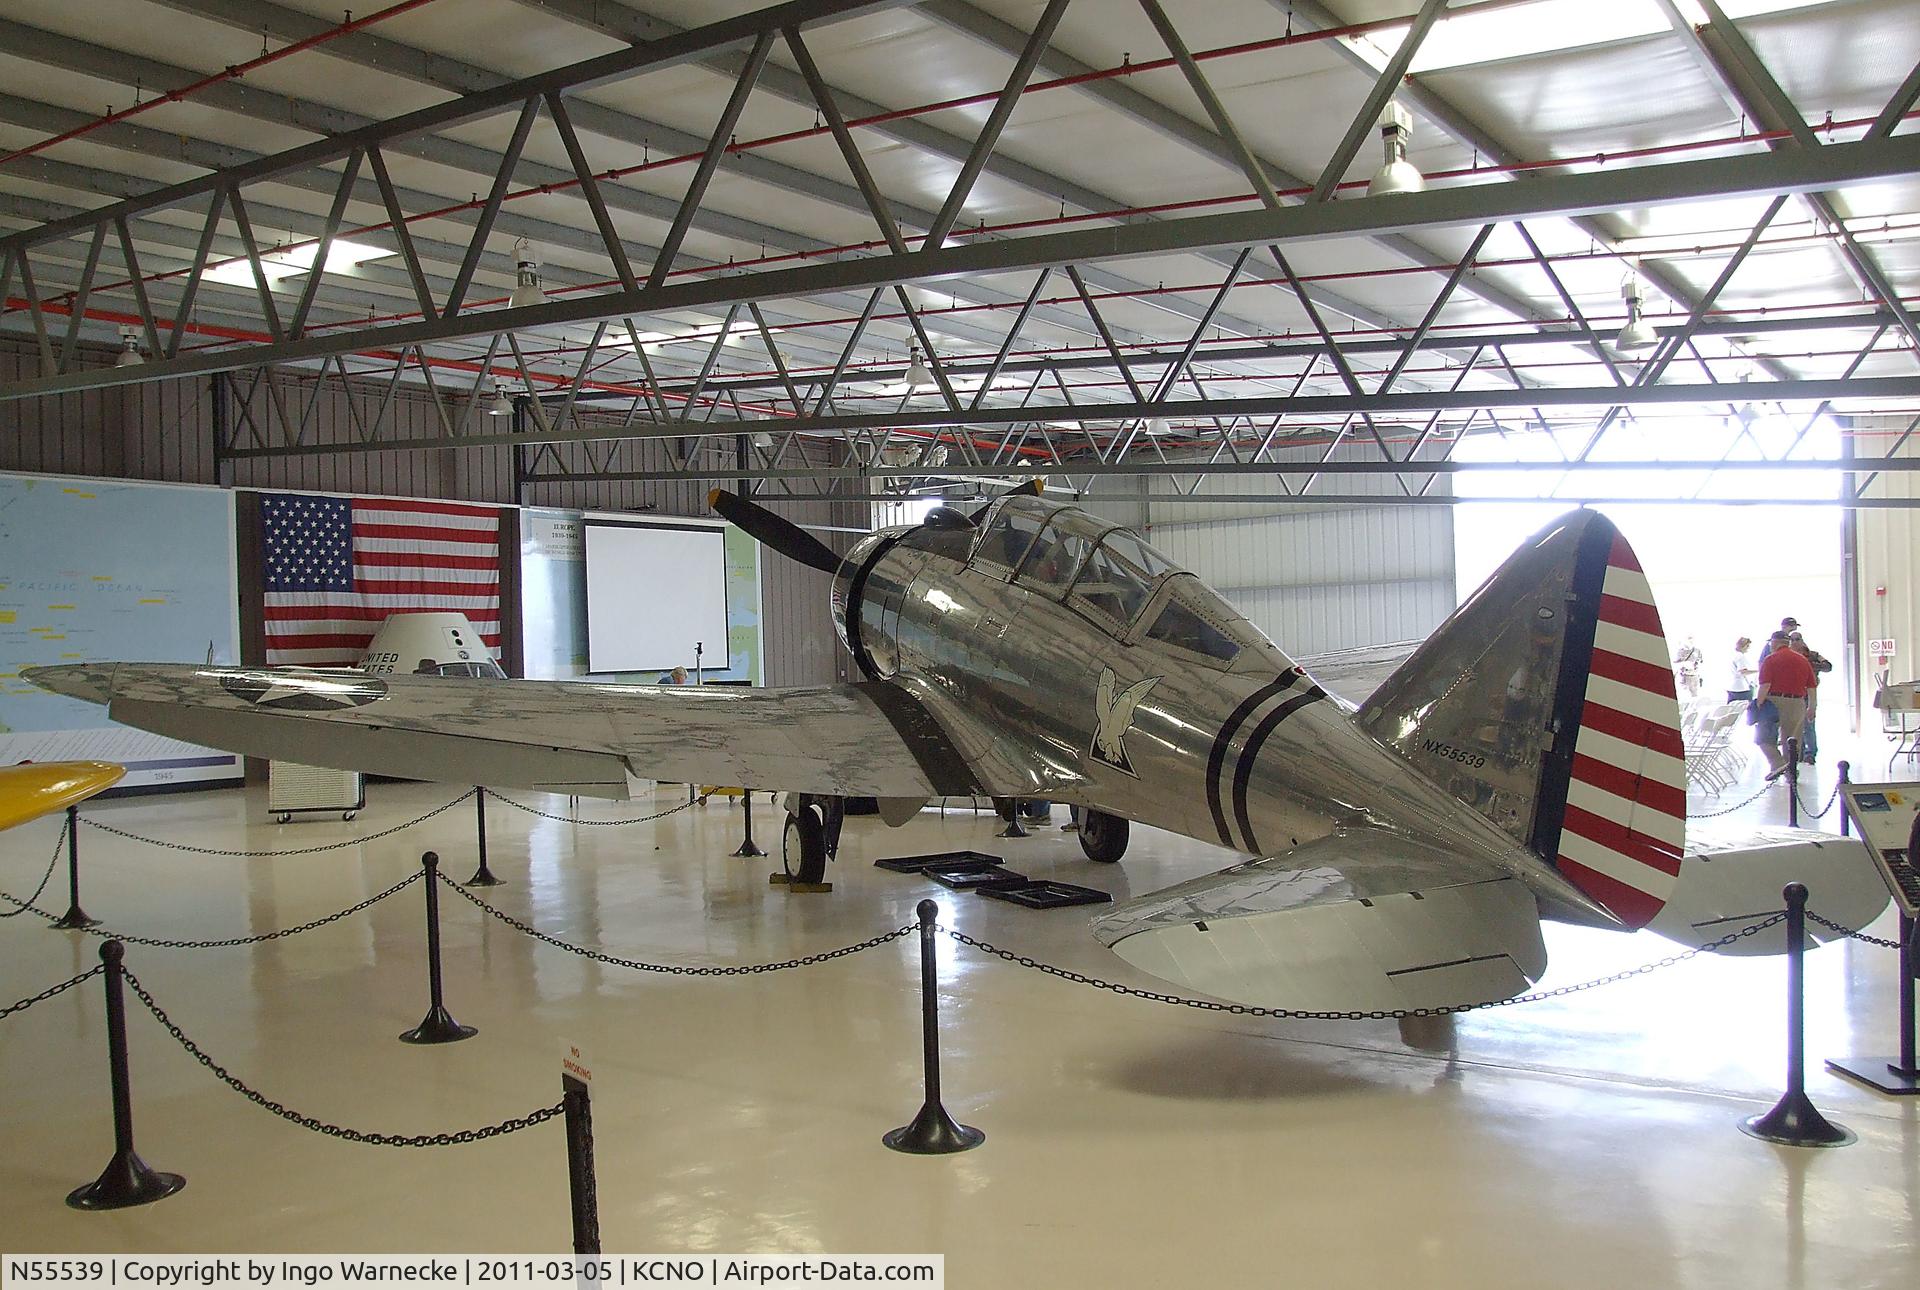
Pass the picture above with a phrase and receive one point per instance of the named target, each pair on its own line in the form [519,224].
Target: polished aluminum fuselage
[1012,675]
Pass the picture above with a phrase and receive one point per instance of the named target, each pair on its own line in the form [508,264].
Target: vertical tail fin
[1547,703]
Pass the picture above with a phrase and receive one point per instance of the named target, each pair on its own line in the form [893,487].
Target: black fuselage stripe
[1217,758]
[1243,773]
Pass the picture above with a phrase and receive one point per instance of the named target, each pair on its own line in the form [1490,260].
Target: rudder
[1546,702]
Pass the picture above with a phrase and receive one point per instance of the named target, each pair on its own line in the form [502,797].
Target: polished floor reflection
[1583,1141]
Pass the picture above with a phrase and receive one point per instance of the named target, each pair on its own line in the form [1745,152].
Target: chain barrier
[680,969]
[266,1103]
[295,851]
[1832,926]
[1383,1014]
[568,819]
[49,992]
[59,845]
[1729,810]
[108,934]
[1808,811]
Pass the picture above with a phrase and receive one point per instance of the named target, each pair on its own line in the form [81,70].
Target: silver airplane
[1525,762]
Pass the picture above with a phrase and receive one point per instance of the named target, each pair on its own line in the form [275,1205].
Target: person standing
[1785,680]
[1740,680]
[1687,665]
[1788,626]
[1809,737]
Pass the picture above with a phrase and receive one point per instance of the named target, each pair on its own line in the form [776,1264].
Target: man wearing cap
[1809,741]
[1785,680]
[1788,626]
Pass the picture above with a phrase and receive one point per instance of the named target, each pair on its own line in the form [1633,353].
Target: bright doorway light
[294,261]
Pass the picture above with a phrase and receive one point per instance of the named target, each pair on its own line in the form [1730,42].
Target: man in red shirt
[1786,678]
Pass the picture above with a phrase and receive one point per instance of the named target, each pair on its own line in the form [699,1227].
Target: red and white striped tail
[1625,825]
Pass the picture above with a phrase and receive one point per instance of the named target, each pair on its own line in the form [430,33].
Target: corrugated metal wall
[1317,577]
[164,430]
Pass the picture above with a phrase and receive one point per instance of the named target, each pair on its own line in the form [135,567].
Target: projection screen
[653,591]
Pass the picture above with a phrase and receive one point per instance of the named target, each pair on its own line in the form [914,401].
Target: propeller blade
[1029,489]
[770,530]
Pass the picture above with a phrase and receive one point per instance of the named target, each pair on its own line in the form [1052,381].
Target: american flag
[336,567]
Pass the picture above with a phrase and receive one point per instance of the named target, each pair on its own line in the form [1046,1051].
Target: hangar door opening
[1721,567]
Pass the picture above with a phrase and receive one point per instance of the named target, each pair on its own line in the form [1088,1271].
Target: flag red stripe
[1635,730]
[1632,614]
[1664,798]
[422,587]
[1618,837]
[353,641]
[414,560]
[1638,673]
[489,538]
[363,613]
[1634,907]
[419,507]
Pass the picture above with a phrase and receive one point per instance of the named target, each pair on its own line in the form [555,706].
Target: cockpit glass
[1182,622]
[1055,557]
[1119,576]
[1009,533]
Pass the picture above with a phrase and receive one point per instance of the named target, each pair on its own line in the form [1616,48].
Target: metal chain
[1808,811]
[59,845]
[108,934]
[1708,815]
[678,969]
[49,992]
[295,851]
[568,819]
[265,1103]
[1832,926]
[1394,1014]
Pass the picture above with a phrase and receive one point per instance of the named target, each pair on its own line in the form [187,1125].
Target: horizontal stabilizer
[1732,878]
[1363,919]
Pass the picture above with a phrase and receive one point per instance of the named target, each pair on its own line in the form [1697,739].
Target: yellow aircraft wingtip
[33,789]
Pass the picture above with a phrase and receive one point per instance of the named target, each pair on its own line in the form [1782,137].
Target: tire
[1103,837]
[348,816]
[1006,808]
[803,847]
[286,817]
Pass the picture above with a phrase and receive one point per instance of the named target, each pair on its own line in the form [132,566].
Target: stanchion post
[126,1181]
[75,918]
[483,876]
[1846,822]
[747,847]
[932,1132]
[1794,1121]
[438,1026]
[583,1192]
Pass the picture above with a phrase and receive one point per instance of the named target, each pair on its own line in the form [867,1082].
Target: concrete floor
[1586,1141]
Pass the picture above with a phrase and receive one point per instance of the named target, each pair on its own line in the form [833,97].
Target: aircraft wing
[1362,919]
[562,736]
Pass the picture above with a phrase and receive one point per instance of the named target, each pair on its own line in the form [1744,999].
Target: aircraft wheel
[286,817]
[348,815]
[803,847]
[1103,837]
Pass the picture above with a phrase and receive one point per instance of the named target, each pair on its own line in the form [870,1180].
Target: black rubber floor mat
[1048,895]
[942,860]
[969,878]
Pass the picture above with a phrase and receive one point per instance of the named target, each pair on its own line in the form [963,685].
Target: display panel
[654,592]
[95,569]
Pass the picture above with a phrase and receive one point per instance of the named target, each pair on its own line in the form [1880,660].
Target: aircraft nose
[92,682]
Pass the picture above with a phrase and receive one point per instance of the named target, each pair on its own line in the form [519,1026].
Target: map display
[94,570]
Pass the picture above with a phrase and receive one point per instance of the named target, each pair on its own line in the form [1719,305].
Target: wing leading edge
[562,736]
[1361,919]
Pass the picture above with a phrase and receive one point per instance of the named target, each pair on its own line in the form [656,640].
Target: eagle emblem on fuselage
[1114,717]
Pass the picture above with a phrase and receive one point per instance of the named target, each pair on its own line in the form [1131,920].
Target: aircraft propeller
[771,530]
